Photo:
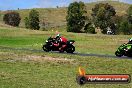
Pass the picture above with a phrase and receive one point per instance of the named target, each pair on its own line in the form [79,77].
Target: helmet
[130,39]
[58,36]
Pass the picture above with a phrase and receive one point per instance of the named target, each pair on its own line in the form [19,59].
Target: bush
[129,13]
[27,22]
[12,18]
[125,27]
[89,28]
[102,14]
[34,20]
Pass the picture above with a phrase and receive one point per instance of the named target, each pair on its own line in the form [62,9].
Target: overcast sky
[25,4]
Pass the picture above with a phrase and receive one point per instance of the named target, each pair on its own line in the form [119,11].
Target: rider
[130,41]
[61,42]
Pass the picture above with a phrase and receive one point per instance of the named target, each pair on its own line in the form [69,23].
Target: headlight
[126,49]
[71,42]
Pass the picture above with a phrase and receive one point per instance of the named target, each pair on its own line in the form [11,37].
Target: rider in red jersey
[61,42]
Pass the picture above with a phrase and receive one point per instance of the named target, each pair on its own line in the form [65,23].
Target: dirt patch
[41,58]
[123,41]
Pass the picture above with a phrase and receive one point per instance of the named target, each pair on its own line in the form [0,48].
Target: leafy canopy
[76,16]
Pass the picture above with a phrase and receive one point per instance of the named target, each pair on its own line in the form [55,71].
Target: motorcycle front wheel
[70,49]
[46,48]
[118,54]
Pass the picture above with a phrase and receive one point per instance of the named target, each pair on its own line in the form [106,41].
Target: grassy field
[26,69]
[20,70]
[85,43]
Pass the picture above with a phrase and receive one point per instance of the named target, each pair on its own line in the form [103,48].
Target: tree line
[32,21]
[103,16]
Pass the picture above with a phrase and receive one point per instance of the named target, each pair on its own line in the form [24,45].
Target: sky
[27,4]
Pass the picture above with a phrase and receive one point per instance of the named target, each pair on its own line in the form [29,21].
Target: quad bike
[49,46]
[124,50]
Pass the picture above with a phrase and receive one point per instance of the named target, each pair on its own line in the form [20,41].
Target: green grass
[26,69]
[85,43]
[16,72]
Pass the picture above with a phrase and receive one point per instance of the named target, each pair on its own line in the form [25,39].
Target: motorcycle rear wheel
[129,54]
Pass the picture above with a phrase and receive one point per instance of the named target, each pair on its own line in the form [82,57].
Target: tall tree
[129,13]
[76,16]
[27,24]
[126,23]
[34,20]
[102,14]
[125,27]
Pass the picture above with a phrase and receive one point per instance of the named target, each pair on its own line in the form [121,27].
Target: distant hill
[56,17]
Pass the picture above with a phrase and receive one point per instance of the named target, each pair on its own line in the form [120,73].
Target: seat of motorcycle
[70,41]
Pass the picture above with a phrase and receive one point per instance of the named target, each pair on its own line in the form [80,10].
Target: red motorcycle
[49,46]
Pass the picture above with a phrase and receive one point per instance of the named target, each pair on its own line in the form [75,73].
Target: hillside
[55,17]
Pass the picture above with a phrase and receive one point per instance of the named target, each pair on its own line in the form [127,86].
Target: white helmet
[130,39]
[58,35]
